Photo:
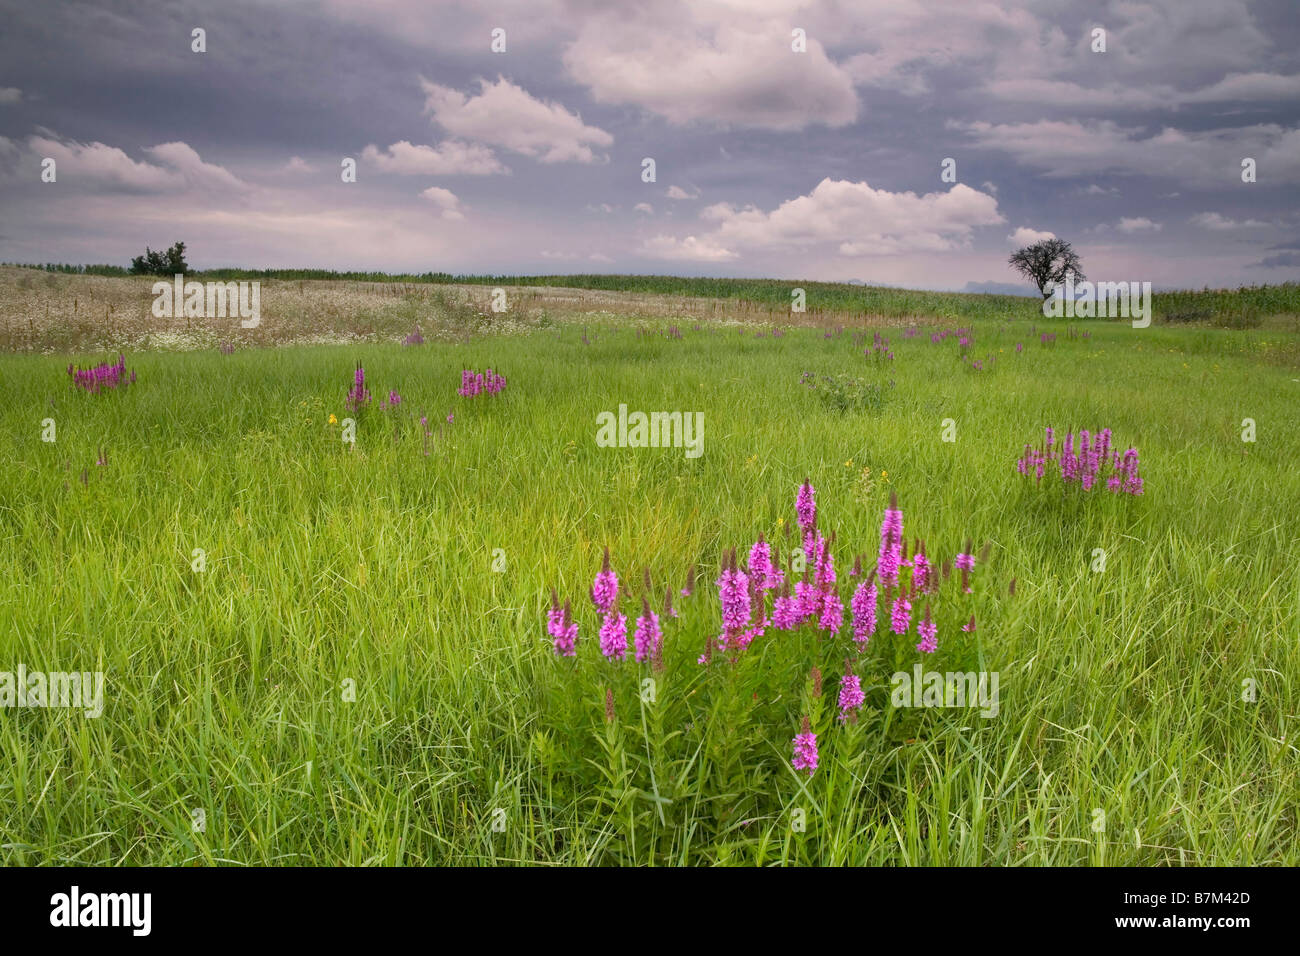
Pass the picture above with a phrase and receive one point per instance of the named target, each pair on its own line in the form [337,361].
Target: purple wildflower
[613,636]
[648,636]
[562,628]
[786,610]
[604,592]
[733,595]
[805,749]
[863,606]
[805,506]
[851,695]
[928,632]
[900,615]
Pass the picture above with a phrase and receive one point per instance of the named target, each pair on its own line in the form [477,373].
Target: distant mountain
[1001,288]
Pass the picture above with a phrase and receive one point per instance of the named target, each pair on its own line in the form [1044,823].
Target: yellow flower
[333,420]
[849,463]
[780,522]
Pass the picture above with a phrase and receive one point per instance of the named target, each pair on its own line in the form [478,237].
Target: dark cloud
[535,155]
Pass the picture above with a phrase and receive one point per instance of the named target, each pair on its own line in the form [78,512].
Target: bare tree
[1047,263]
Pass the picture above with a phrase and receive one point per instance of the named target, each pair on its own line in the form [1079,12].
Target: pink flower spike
[805,749]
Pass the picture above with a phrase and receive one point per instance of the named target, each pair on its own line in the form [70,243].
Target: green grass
[1120,691]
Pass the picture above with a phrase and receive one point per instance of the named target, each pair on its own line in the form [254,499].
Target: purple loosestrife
[805,749]
[851,695]
[555,615]
[808,599]
[891,543]
[733,595]
[923,577]
[786,610]
[805,506]
[689,589]
[832,611]
[648,636]
[1132,482]
[965,562]
[562,628]
[900,615]
[358,395]
[863,606]
[474,383]
[823,563]
[613,636]
[98,377]
[763,572]
[604,592]
[928,632]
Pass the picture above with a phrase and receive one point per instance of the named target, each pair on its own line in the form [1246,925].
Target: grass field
[361,673]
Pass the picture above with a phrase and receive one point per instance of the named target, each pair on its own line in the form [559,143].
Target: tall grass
[469,742]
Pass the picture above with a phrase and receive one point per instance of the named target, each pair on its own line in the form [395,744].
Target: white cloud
[102,165]
[185,160]
[676,192]
[644,207]
[10,94]
[505,115]
[711,63]
[450,158]
[691,248]
[1219,223]
[1128,225]
[599,257]
[1024,236]
[1247,87]
[859,220]
[297,164]
[444,199]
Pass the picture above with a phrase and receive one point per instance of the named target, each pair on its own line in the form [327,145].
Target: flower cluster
[757,594]
[101,376]
[1087,464]
[478,383]
[805,749]
[562,627]
[358,395]
[879,351]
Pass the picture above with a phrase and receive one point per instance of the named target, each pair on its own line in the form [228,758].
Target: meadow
[357,670]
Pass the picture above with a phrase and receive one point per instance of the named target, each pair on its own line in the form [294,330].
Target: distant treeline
[1242,306]
[71,269]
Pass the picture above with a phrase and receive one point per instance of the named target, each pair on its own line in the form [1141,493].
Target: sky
[903,143]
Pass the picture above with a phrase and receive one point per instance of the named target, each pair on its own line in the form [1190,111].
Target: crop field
[315,564]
